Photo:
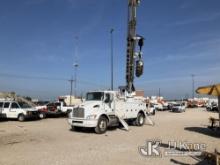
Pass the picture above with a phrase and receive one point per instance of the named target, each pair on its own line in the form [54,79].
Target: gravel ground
[52,142]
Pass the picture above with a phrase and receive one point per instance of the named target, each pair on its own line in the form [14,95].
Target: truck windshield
[94,96]
[24,105]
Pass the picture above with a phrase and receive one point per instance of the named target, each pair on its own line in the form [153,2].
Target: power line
[15,76]
[31,77]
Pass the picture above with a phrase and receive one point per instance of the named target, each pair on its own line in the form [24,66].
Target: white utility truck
[103,109]
[17,110]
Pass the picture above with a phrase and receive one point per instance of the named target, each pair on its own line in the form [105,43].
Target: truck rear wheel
[21,117]
[102,125]
[42,115]
[140,120]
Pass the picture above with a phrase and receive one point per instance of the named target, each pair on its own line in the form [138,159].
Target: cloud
[200,49]
[197,19]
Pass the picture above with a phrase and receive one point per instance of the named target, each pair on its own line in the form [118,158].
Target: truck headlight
[91,117]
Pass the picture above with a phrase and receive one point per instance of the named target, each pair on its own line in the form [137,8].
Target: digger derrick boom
[132,39]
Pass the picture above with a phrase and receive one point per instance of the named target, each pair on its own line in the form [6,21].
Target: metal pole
[112,76]
[71,90]
[219,109]
[76,66]
[193,86]
[75,79]
[159,92]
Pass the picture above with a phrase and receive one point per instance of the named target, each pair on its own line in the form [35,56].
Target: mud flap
[125,125]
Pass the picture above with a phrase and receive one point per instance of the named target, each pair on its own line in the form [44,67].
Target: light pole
[71,89]
[76,65]
[75,78]
[112,76]
[193,86]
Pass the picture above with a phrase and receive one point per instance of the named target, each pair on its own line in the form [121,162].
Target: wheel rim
[41,116]
[102,125]
[141,119]
[21,117]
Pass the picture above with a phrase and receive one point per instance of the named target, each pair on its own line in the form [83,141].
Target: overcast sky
[37,45]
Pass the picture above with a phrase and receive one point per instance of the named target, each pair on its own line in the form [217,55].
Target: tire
[42,115]
[153,112]
[21,117]
[140,120]
[102,125]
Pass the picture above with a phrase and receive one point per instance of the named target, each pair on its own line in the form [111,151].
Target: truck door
[1,108]
[6,108]
[14,110]
[109,107]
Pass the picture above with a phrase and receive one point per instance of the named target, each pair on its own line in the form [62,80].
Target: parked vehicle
[49,109]
[178,107]
[158,106]
[212,107]
[65,109]
[151,109]
[18,110]
[107,108]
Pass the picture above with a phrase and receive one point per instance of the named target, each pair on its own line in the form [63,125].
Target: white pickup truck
[104,109]
[179,107]
[18,110]
[64,109]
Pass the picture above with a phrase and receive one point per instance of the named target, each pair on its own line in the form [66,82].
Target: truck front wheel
[140,120]
[102,125]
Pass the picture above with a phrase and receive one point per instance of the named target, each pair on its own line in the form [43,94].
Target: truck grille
[78,112]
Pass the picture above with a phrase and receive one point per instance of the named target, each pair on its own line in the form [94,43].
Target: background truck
[104,109]
[64,108]
[19,110]
[53,109]
[179,107]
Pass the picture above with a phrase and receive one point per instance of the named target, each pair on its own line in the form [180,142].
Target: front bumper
[82,122]
[177,110]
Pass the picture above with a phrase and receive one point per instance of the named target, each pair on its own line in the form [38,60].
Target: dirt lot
[52,142]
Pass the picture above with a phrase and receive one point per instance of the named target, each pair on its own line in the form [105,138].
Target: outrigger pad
[149,121]
[124,124]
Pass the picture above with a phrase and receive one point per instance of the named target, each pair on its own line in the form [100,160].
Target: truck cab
[102,109]
[19,110]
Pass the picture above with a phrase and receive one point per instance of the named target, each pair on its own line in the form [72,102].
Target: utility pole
[112,71]
[71,89]
[193,86]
